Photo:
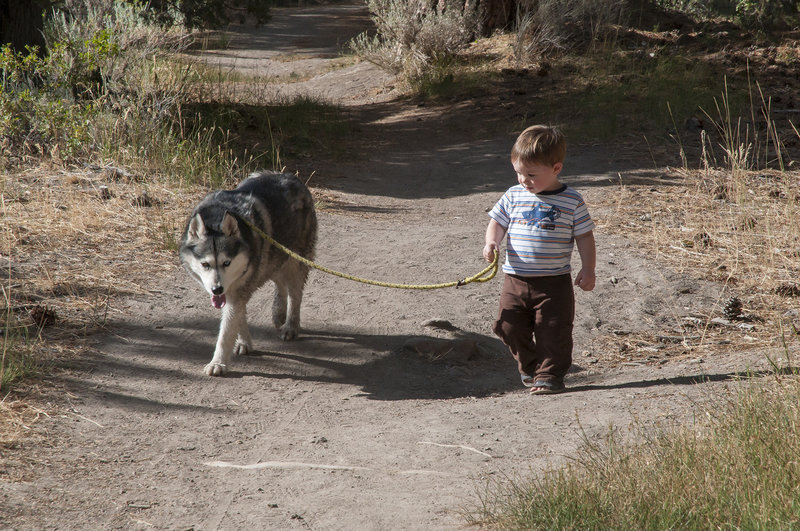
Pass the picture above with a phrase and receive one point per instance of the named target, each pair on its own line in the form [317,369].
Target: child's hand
[488,251]
[585,280]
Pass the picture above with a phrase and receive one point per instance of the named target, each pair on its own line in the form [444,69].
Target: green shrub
[108,49]
[37,112]
[99,61]
[108,88]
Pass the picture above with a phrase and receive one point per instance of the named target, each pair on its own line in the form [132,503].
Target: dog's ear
[197,228]
[230,227]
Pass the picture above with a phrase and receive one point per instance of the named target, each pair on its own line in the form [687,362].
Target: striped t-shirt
[541,229]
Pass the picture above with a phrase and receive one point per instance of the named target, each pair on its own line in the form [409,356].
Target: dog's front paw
[215,369]
[288,333]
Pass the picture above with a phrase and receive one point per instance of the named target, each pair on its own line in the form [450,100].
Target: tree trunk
[21,22]
[492,14]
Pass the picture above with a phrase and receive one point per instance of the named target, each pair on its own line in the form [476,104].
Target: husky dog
[231,260]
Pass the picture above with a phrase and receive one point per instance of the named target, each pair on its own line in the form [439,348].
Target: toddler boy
[541,218]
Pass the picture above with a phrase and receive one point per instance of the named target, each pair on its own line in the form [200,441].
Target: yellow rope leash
[485,275]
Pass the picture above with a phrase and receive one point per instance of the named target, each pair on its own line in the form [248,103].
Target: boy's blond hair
[540,144]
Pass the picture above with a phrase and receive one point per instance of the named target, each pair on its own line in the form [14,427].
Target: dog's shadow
[451,364]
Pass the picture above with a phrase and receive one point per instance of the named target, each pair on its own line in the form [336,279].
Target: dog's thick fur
[231,261]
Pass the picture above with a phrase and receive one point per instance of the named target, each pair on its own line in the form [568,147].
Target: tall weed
[16,359]
[748,143]
[546,26]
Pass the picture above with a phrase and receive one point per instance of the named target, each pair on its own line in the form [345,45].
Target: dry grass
[71,230]
[19,425]
[734,467]
[739,231]
[75,241]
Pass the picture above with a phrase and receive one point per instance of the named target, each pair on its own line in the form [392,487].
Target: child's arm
[494,235]
[586,277]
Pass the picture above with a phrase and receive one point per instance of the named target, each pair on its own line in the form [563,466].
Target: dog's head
[215,254]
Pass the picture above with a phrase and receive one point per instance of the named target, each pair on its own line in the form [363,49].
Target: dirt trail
[371,419]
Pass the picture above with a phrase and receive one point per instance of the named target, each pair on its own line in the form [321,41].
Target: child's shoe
[543,387]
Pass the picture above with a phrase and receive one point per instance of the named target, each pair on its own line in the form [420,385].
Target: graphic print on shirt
[542,216]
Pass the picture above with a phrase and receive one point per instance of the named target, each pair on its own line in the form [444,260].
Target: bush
[413,36]
[37,115]
[208,13]
[101,59]
[107,48]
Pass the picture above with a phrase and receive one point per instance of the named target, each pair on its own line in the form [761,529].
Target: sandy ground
[376,417]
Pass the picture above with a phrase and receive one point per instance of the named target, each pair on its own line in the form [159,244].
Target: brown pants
[535,322]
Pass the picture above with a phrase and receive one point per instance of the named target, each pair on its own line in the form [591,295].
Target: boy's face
[537,178]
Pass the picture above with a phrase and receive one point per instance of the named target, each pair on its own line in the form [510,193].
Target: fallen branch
[283,464]
[87,419]
[719,321]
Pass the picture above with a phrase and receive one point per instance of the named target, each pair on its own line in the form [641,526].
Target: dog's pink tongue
[218,301]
